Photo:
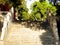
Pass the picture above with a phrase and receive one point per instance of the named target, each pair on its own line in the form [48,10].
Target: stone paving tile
[19,35]
[23,38]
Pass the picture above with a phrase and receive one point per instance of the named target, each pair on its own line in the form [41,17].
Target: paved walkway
[19,35]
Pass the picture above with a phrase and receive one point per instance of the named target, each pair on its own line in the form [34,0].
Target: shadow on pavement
[47,38]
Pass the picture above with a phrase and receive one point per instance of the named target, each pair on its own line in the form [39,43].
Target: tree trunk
[53,25]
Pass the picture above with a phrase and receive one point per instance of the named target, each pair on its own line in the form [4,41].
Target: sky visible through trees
[29,2]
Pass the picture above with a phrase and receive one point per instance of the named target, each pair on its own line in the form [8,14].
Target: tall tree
[39,13]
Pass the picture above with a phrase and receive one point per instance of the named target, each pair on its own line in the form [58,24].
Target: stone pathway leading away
[17,34]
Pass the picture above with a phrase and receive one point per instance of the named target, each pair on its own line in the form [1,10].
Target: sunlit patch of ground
[23,37]
[20,35]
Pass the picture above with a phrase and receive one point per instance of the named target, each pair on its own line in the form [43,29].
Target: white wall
[5,24]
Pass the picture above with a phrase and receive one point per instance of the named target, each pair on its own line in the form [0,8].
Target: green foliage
[39,10]
[23,12]
[25,16]
[15,3]
[33,17]
[59,3]
[2,1]
[38,16]
[51,8]
[20,5]
[42,0]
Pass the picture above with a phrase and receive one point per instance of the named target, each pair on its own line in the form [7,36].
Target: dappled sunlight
[22,36]
[25,36]
[42,31]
